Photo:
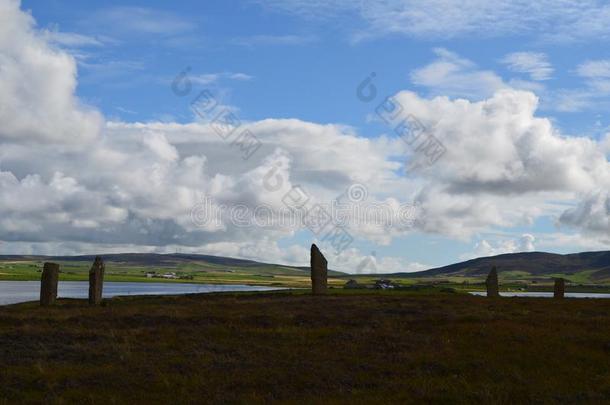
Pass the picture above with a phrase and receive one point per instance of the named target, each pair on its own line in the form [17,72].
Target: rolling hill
[537,267]
[182,267]
[594,265]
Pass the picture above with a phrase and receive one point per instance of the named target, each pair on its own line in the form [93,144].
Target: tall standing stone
[560,288]
[493,290]
[48,284]
[319,271]
[96,281]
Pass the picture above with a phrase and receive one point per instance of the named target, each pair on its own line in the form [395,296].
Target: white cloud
[570,242]
[140,20]
[353,261]
[68,177]
[571,100]
[71,39]
[37,101]
[205,79]
[453,75]
[591,95]
[109,72]
[549,20]
[157,142]
[591,215]
[535,64]
[485,248]
[498,145]
[597,76]
[442,18]
[594,69]
[503,164]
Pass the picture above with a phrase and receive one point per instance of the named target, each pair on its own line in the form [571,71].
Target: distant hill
[595,264]
[173,260]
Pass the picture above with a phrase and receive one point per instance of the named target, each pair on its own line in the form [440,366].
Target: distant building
[169,275]
[384,284]
[353,284]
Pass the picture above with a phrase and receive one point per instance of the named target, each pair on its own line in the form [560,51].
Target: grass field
[348,347]
[283,276]
[189,273]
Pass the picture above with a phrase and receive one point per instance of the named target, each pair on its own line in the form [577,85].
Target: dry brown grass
[293,348]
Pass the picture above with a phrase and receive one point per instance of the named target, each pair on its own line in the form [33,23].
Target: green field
[509,281]
[200,271]
[187,273]
[349,347]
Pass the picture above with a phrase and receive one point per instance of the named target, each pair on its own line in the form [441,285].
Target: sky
[398,135]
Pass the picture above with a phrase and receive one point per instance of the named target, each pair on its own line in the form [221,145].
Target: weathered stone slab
[319,271]
[96,281]
[493,289]
[560,288]
[48,284]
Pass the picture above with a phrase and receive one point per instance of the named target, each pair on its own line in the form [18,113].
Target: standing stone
[48,284]
[96,281]
[493,290]
[560,288]
[319,271]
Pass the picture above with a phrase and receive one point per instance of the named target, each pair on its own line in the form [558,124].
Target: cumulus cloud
[503,165]
[484,248]
[591,214]
[499,145]
[38,82]
[137,183]
[69,178]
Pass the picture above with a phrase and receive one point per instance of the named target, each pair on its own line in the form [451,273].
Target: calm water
[545,294]
[12,292]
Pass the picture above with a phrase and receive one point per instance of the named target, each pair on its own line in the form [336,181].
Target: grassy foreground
[348,347]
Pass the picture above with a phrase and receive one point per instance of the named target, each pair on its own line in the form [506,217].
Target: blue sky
[301,66]
[297,60]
